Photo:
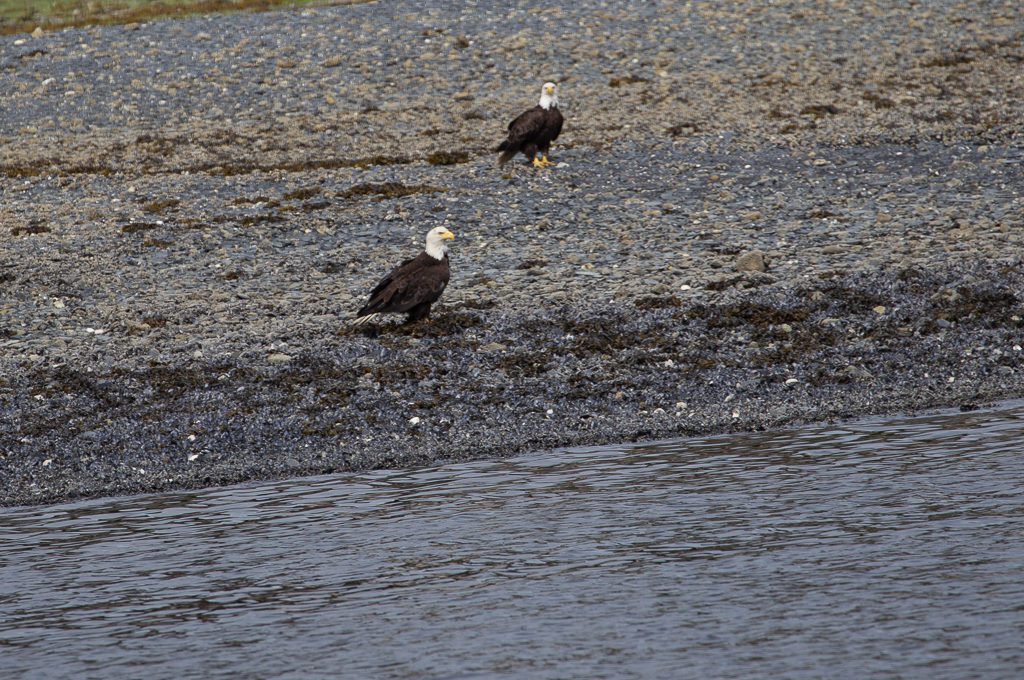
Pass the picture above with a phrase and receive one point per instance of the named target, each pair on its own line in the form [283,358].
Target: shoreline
[188,426]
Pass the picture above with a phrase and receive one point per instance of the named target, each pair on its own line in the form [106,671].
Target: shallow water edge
[886,546]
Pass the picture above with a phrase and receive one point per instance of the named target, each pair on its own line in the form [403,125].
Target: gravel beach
[764,214]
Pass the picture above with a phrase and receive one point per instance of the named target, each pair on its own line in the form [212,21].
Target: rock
[279,358]
[722,281]
[856,373]
[751,261]
[492,347]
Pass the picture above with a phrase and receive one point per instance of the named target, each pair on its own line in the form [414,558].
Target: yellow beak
[447,236]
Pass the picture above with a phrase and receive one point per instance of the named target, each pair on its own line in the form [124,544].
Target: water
[883,548]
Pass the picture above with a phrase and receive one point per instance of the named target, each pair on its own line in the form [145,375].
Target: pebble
[751,261]
[857,373]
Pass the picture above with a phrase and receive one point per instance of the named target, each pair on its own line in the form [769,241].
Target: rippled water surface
[885,548]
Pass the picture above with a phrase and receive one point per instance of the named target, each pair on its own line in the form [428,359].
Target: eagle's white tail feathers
[359,321]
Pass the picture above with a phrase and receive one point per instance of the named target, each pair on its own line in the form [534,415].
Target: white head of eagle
[549,96]
[436,246]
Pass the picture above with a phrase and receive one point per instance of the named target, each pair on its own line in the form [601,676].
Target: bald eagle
[411,287]
[534,130]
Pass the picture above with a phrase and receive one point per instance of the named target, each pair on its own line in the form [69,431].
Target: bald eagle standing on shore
[534,130]
[411,287]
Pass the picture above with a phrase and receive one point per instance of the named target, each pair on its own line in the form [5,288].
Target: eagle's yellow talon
[537,163]
[545,162]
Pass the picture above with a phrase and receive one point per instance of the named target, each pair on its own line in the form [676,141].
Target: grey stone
[751,261]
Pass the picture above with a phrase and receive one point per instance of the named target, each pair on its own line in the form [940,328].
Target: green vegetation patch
[23,16]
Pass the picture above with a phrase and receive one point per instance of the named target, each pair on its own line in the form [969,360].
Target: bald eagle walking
[534,130]
[411,287]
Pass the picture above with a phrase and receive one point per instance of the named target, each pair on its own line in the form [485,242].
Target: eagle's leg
[530,151]
[537,163]
[420,311]
[544,162]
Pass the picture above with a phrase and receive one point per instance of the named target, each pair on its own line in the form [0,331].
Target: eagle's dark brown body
[410,288]
[531,132]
